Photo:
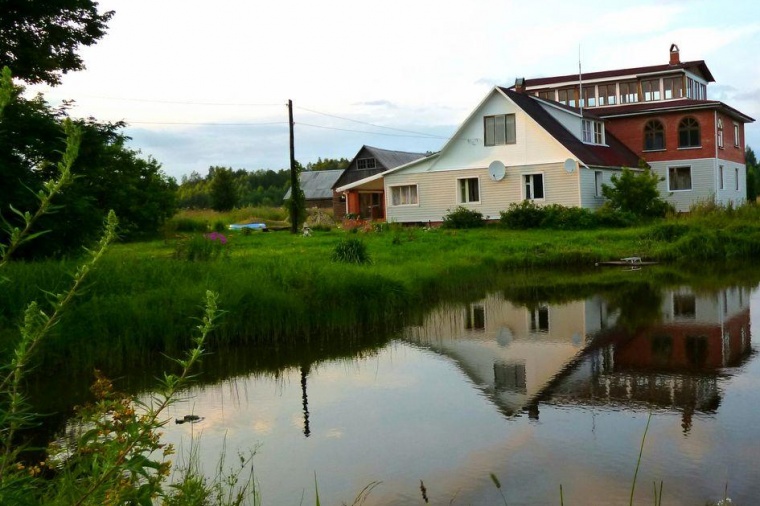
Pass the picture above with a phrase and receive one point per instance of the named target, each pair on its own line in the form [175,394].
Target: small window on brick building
[688,133]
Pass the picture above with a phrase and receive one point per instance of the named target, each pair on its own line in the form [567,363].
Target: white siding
[438,192]
[729,194]
[589,200]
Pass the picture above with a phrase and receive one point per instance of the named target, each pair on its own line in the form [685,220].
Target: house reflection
[577,352]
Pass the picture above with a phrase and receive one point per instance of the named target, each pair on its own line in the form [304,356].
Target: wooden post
[293,175]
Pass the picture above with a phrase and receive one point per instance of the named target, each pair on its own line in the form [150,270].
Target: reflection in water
[305,397]
[666,352]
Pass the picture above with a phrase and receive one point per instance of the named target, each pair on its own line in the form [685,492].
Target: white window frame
[366,161]
[587,131]
[523,190]
[465,180]
[737,142]
[720,133]
[534,316]
[691,179]
[721,179]
[736,173]
[598,182]
[398,186]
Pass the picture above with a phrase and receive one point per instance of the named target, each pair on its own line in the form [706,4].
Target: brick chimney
[520,85]
[675,58]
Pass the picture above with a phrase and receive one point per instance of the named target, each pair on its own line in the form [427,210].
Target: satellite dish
[497,171]
[570,165]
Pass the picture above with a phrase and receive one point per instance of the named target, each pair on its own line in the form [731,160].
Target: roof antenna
[580,81]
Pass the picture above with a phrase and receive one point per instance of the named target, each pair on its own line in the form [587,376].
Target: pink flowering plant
[203,247]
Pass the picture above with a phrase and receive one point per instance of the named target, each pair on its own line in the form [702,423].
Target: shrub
[568,218]
[352,251]
[637,193]
[202,247]
[461,217]
[521,216]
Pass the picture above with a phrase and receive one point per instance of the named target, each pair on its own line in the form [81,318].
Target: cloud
[379,103]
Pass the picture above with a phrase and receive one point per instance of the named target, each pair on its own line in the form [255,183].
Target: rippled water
[541,394]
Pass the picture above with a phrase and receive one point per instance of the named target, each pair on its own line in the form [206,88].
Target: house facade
[369,202]
[557,140]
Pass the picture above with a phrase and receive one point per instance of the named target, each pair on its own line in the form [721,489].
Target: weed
[461,217]
[352,251]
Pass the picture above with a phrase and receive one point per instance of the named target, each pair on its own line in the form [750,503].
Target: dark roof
[614,154]
[671,105]
[317,184]
[392,159]
[697,66]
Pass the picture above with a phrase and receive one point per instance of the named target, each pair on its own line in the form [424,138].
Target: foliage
[202,247]
[352,251]
[328,164]
[39,40]
[255,188]
[223,192]
[753,175]
[636,193]
[113,177]
[296,204]
[461,217]
[527,215]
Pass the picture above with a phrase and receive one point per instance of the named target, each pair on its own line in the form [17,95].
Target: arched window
[688,133]
[654,135]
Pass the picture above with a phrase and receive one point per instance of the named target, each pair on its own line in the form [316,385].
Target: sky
[205,84]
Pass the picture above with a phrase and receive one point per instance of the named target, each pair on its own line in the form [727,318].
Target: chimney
[520,85]
[675,58]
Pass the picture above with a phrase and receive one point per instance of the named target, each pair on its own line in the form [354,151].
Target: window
[469,190]
[720,178]
[736,174]
[589,97]
[568,96]
[654,135]
[736,135]
[586,131]
[607,94]
[598,182]
[651,90]
[475,318]
[539,319]
[688,133]
[720,133]
[592,131]
[365,163]
[598,132]
[684,305]
[679,178]
[629,93]
[695,89]
[534,186]
[404,195]
[499,129]
[546,94]
[673,87]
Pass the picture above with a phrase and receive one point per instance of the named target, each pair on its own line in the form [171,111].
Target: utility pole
[293,176]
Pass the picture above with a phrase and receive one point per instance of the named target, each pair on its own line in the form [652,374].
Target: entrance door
[371,206]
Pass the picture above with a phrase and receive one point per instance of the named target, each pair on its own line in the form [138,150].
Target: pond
[535,390]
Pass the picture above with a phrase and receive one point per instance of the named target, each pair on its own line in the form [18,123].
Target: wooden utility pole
[293,176]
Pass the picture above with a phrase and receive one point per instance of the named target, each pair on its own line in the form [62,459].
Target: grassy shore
[281,289]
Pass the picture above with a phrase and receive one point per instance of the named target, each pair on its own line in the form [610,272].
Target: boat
[627,262]
[252,226]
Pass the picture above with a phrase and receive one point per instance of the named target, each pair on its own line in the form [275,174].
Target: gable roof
[614,154]
[317,184]
[392,159]
[698,67]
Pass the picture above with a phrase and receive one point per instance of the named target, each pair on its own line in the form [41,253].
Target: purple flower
[216,236]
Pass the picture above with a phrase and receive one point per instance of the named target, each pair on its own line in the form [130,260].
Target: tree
[39,39]
[223,189]
[637,193]
[753,175]
[110,176]
[329,164]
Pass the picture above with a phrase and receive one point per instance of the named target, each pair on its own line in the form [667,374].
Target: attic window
[593,132]
[365,163]
[499,129]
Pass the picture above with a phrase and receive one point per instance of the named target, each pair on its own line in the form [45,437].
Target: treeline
[753,175]
[224,188]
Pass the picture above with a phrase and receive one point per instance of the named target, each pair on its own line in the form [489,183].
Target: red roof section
[669,105]
[697,66]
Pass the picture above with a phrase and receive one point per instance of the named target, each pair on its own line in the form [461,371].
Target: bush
[522,216]
[352,251]
[461,217]
[637,193]
[568,218]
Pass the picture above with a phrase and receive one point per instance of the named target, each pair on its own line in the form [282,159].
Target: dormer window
[499,129]
[365,163]
[592,132]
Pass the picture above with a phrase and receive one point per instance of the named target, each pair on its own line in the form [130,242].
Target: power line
[201,123]
[370,124]
[181,102]
[423,136]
